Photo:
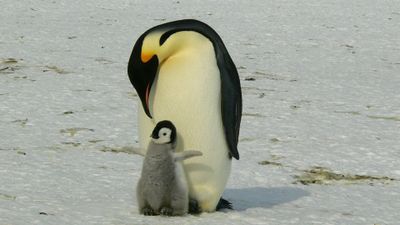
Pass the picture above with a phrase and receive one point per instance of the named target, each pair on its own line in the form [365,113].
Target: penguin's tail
[224,204]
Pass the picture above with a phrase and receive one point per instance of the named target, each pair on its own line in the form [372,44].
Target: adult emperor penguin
[183,72]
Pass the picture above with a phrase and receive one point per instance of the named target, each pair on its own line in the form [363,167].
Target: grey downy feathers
[162,187]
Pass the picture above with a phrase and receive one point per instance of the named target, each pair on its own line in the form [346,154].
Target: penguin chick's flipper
[135,150]
[194,207]
[178,156]
[223,204]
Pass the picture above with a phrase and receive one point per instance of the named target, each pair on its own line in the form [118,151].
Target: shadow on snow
[260,197]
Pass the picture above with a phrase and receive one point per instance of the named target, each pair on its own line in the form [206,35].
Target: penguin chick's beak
[142,70]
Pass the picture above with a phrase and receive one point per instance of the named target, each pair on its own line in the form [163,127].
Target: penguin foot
[166,211]
[147,211]
[223,204]
[194,207]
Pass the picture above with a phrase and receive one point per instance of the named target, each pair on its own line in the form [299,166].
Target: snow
[326,94]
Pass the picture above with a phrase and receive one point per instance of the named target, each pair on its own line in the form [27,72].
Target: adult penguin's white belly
[187,91]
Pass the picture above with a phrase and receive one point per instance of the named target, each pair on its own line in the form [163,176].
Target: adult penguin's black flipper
[231,99]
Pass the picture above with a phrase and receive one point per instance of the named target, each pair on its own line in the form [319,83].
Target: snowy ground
[321,89]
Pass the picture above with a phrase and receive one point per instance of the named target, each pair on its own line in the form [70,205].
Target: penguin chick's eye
[164,132]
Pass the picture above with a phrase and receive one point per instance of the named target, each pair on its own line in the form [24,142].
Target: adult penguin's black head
[164,133]
[142,70]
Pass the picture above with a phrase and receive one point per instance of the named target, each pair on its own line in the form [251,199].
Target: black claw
[194,207]
[224,204]
[165,211]
[148,211]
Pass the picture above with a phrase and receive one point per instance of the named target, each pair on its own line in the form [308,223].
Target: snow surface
[320,85]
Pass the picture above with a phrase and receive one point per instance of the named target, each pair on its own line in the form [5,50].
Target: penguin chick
[162,187]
